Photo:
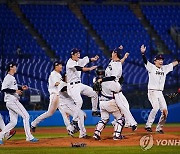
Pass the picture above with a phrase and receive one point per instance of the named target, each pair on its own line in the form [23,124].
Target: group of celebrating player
[66,90]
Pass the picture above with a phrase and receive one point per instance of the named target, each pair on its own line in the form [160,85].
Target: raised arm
[143,49]
[93,59]
[85,69]
[175,63]
[124,58]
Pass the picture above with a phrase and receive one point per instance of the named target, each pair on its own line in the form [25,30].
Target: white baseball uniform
[109,106]
[115,69]
[15,108]
[2,124]
[54,97]
[67,107]
[157,77]
[75,88]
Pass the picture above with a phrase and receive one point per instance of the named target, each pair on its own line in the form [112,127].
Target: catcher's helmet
[100,72]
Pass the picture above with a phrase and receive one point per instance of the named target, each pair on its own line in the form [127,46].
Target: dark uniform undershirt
[144,59]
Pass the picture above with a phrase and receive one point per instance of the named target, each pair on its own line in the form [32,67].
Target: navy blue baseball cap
[157,57]
[75,50]
[118,51]
[56,63]
[10,64]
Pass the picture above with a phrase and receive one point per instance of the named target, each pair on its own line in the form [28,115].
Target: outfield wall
[140,115]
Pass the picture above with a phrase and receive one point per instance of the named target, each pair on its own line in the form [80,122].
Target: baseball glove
[97,86]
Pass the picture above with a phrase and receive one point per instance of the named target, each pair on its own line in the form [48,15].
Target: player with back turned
[114,73]
[157,75]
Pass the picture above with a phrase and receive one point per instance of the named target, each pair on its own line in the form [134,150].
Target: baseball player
[157,75]
[9,134]
[54,81]
[114,73]
[12,95]
[67,107]
[75,88]
[108,106]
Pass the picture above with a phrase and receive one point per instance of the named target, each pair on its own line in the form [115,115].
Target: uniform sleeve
[84,61]
[6,84]
[149,66]
[61,85]
[116,69]
[55,79]
[71,65]
[168,68]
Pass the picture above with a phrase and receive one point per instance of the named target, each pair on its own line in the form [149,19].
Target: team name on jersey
[15,83]
[159,73]
[110,67]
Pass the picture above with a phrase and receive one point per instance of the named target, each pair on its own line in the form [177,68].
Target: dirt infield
[132,138]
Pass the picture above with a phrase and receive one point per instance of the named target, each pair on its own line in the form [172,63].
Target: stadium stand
[16,35]
[162,18]
[62,30]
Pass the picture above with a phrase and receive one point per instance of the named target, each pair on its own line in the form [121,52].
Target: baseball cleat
[118,138]
[85,137]
[33,129]
[127,125]
[1,142]
[96,137]
[134,127]
[160,131]
[148,129]
[11,134]
[70,132]
[75,125]
[96,114]
[34,140]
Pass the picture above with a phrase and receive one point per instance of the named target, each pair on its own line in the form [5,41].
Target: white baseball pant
[53,105]
[124,107]
[75,92]
[16,108]
[158,102]
[107,108]
[2,124]
[72,109]
[122,103]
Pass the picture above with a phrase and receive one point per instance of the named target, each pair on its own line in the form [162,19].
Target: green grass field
[86,150]
[90,150]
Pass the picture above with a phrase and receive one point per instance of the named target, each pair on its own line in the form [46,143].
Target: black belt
[108,97]
[75,82]
[155,89]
